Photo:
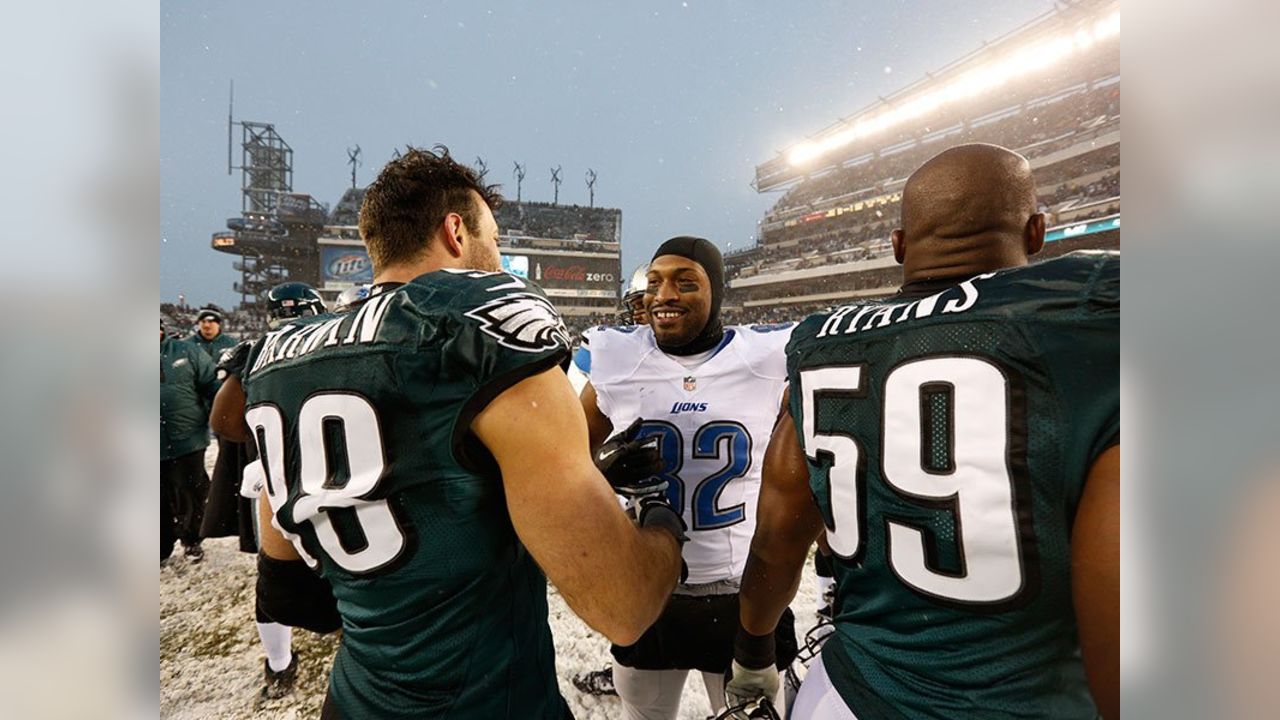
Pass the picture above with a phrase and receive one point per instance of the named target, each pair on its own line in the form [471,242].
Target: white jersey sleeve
[616,353]
[764,348]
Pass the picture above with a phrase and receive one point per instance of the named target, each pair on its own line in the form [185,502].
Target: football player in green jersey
[280,665]
[959,442]
[425,452]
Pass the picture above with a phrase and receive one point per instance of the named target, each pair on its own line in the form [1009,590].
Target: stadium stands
[180,321]
[826,240]
[570,224]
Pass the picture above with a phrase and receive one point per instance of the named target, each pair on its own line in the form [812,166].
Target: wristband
[754,652]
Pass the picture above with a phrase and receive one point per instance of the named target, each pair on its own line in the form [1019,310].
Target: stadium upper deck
[1070,46]
[1050,90]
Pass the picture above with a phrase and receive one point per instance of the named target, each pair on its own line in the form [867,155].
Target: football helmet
[350,297]
[633,310]
[291,300]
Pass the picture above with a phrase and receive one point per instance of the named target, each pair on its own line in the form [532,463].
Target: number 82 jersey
[948,434]
[713,419]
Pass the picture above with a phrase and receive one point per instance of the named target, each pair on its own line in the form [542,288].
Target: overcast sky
[672,103]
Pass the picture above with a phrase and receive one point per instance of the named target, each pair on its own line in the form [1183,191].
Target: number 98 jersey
[362,421]
[948,434]
[713,420]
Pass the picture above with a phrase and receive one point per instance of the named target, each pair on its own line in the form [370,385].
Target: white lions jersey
[714,420]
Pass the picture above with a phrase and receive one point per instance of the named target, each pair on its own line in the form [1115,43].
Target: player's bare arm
[270,541]
[787,524]
[598,425]
[614,576]
[1095,580]
[226,417]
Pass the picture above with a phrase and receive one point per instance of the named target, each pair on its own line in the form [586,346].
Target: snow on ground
[211,662]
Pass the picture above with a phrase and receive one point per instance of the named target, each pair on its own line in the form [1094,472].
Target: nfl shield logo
[690,383]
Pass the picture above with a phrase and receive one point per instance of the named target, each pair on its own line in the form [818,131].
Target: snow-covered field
[211,662]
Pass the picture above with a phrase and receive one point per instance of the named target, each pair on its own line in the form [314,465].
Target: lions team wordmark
[682,407]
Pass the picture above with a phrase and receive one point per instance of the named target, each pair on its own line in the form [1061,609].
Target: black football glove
[232,361]
[655,511]
[632,465]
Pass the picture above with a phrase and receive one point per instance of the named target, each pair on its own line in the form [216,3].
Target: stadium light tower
[353,159]
[555,181]
[591,186]
[519,173]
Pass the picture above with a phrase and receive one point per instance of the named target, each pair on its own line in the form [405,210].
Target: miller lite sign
[346,265]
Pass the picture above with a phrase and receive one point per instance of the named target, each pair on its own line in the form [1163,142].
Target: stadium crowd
[788,242]
[570,222]
[1036,131]
[1104,188]
[181,320]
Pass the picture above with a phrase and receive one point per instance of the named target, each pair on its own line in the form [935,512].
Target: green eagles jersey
[949,431]
[363,423]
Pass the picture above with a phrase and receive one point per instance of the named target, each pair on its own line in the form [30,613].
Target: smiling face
[681,299]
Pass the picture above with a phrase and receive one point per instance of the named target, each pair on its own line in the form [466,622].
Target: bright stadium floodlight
[1020,63]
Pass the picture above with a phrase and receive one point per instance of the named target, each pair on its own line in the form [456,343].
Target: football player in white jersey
[711,395]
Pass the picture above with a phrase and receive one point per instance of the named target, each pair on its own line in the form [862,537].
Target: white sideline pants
[818,699]
[655,694]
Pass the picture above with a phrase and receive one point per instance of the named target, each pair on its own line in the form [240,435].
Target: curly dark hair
[412,196]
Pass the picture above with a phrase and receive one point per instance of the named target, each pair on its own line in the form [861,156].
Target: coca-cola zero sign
[574,272]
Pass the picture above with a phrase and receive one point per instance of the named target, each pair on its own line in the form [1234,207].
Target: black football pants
[185,485]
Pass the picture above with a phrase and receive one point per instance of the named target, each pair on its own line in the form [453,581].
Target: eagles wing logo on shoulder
[522,321]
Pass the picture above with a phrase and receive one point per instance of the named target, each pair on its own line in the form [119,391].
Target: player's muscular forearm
[615,576]
[622,608]
[769,585]
[787,523]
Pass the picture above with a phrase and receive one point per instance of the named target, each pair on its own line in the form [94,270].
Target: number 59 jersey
[362,421]
[713,420]
[948,438]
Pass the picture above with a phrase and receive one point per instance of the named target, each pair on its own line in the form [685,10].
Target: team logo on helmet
[522,321]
